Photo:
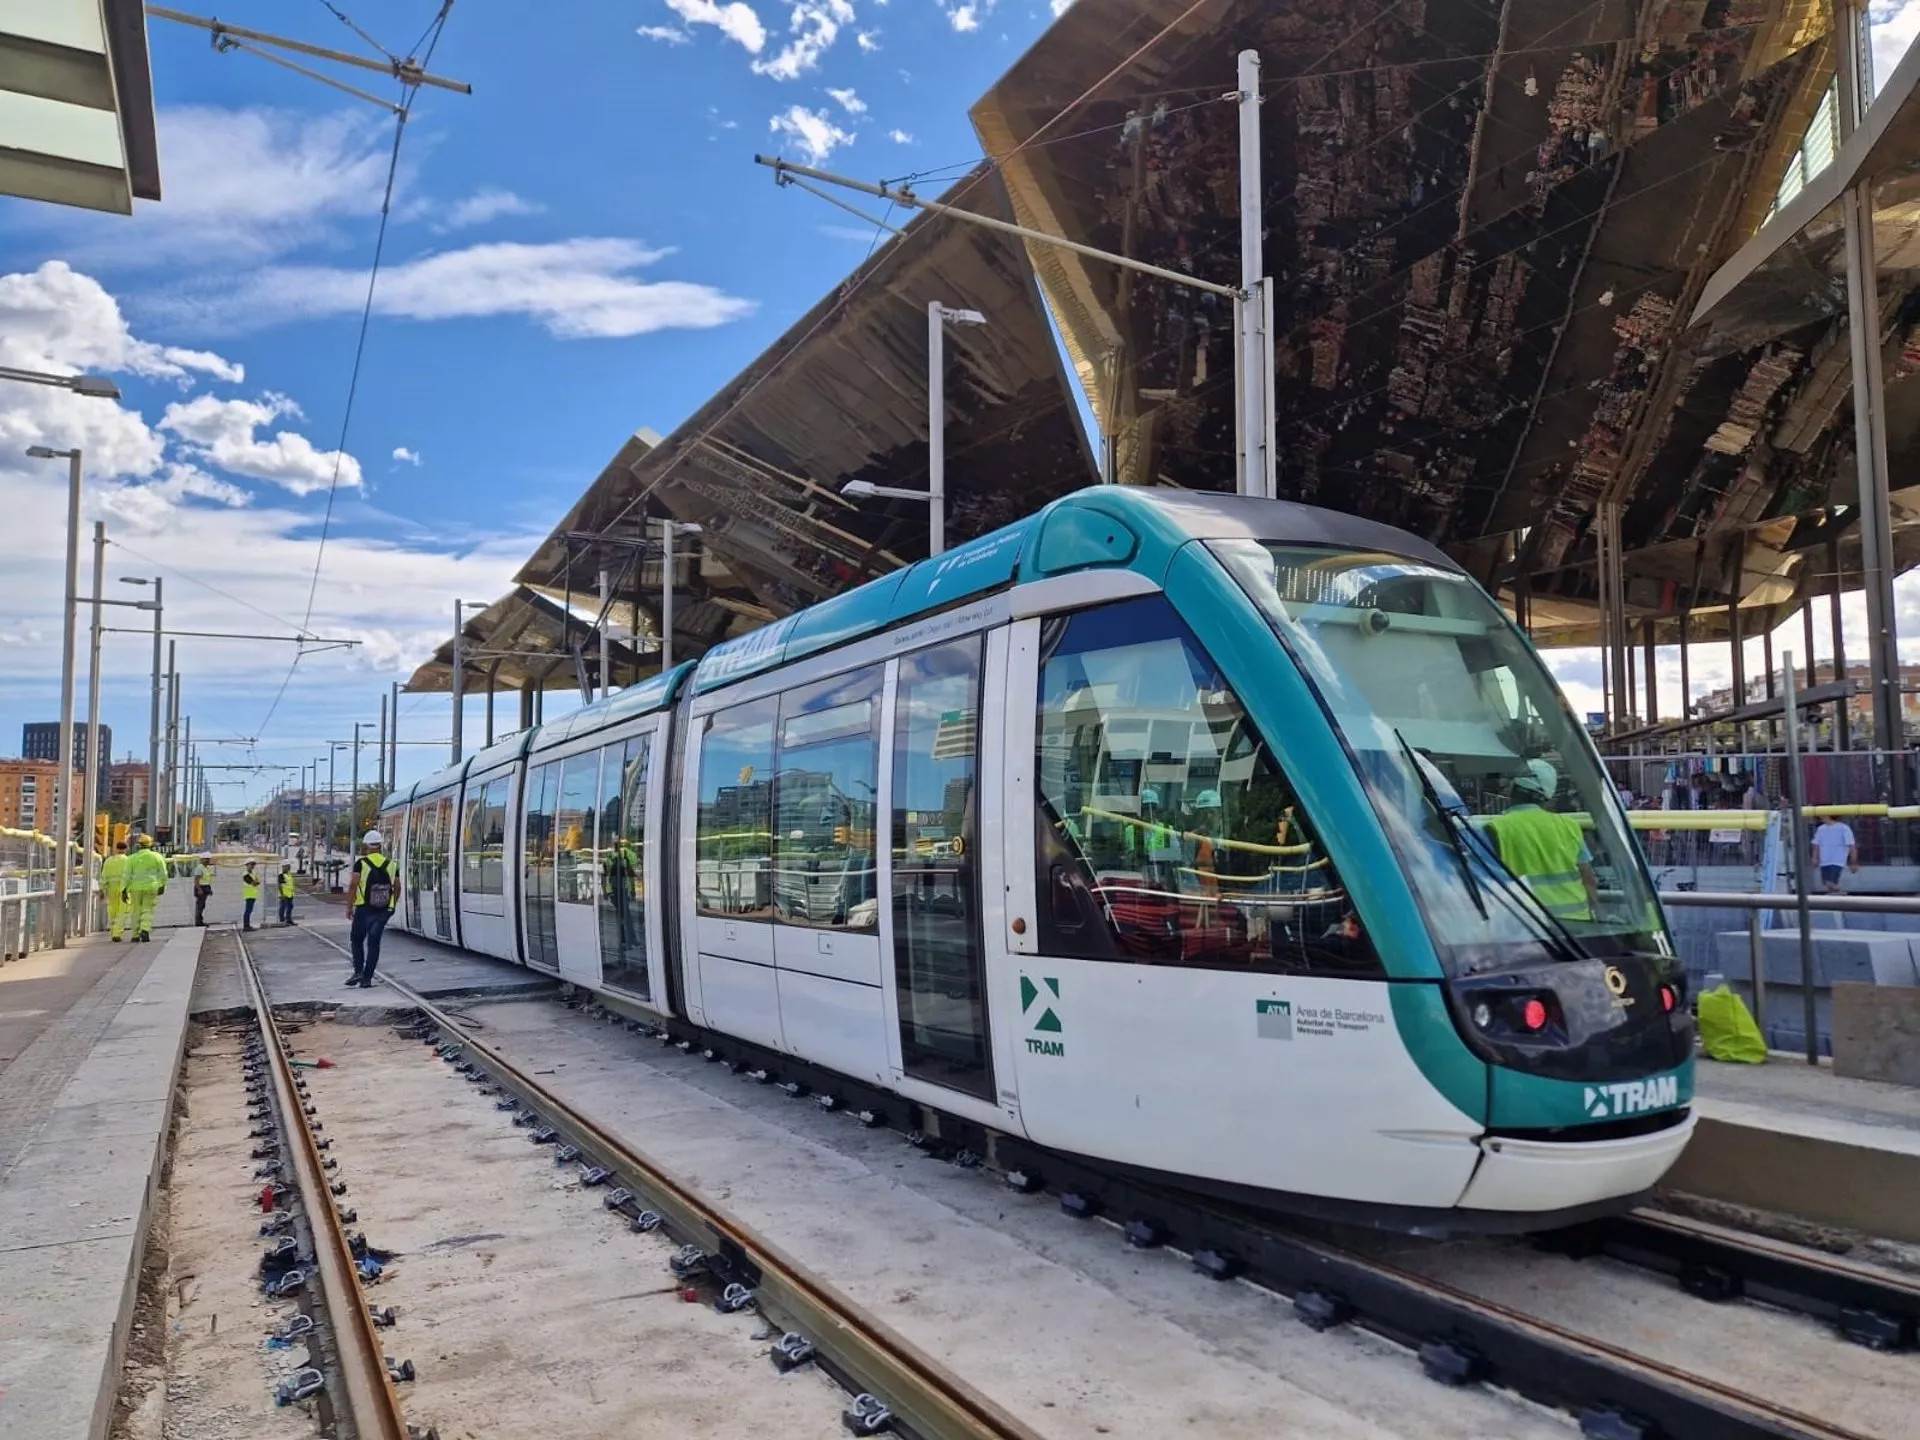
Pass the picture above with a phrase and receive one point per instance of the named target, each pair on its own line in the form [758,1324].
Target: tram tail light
[1668,999]
[1533,1014]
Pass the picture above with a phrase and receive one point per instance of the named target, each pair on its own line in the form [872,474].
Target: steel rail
[365,1394]
[1873,1306]
[926,1399]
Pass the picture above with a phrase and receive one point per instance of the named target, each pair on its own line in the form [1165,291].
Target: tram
[1171,831]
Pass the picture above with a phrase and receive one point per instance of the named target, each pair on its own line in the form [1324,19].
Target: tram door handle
[1062,899]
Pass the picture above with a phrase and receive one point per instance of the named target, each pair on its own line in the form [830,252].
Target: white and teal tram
[1159,829]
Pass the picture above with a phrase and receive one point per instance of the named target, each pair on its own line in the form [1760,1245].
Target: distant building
[41,741]
[127,785]
[27,794]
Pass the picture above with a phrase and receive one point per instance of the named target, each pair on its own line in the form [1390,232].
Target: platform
[85,1103]
[1799,1140]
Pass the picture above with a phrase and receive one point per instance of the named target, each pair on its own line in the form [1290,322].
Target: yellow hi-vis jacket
[147,870]
[249,886]
[286,885]
[113,873]
[1546,850]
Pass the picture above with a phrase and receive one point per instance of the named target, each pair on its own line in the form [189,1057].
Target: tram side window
[1167,833]
[733,836]
[483,840]
[623,865]
[826,781]
[573,832]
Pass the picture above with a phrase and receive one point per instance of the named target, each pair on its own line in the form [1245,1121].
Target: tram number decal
[1632,1097]
[1037,1003]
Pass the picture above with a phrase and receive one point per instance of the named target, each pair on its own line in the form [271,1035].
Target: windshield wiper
[1449,824]
[1454,821]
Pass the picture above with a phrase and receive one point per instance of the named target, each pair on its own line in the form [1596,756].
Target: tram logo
[1632,1097]
[1273,1019]
[1046,1023]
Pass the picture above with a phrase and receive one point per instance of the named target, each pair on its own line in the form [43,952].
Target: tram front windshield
[1507,827]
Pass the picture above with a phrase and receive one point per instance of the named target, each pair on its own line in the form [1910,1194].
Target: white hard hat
[1541,776]
[373,837]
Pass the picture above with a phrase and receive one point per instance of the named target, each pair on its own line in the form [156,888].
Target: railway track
[360,1391]
[895,1386]
[1459,1338]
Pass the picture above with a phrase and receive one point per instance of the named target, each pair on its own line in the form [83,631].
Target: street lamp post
[63,841]
[668,529]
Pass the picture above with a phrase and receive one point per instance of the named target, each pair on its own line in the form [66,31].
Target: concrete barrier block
[1876,1033]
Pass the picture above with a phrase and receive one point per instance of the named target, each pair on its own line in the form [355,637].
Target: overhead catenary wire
[410,92]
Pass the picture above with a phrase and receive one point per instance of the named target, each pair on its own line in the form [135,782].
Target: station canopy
[76,104]
[528,641]
[1490,229]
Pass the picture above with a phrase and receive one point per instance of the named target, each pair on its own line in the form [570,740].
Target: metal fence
[28,917]
[1757,781]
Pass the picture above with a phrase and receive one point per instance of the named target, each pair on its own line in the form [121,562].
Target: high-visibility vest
[113,872]
[1543,849]
[286,885]
[146,870]
[249,886]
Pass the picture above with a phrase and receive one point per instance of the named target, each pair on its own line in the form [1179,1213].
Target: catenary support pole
[96,768]
[606,639]
[354,828]
[459,666]
[153,729]
[1256,354]
[1802,859]
[63,770]
[936,427]
[667,527]
[380,764]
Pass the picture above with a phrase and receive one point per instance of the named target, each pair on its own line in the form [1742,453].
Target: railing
[27,920]
[1755,905]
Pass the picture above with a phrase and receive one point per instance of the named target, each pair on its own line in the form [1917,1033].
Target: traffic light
[102,834]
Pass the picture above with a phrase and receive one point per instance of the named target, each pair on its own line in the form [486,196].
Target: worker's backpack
[376,885]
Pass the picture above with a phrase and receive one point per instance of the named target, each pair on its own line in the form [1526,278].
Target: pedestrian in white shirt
[1834,850]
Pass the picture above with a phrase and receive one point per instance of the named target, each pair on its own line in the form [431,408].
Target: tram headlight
[1483,1015]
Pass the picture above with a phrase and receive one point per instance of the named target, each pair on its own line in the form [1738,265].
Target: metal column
[90,807]
[1854,60]
[459,666]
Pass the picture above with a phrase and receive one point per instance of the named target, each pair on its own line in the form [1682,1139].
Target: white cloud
[665,34]
[899,137]
[867,40]
[488,203]
[56,318]
[848,100]
[574,288]
[406,456]
[964,18]
[1060,7]
[221,433]
[1894,25]
[737,21]
[812,132]
[815,25]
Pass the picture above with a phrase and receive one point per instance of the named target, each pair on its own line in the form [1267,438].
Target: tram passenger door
[576,869]
[931,932]
[443,872]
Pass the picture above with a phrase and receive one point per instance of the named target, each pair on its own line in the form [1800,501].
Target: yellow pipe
[1249,846]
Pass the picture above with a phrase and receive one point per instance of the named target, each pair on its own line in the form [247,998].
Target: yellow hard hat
[145,841]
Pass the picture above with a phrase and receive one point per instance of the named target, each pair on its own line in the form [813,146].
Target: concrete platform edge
[159,1002]
[1829,1181]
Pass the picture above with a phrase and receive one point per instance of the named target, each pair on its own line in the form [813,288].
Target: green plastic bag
[1727,1031]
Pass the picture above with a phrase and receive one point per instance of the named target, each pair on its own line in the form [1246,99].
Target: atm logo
[1632,1097]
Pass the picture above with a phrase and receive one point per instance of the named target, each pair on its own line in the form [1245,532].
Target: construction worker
[146,883]
[113,884]
[249,895]
[371,897]
[202,887]
[1545,850]
[286,894]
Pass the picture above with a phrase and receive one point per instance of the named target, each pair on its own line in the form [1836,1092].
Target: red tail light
[1533,1014]
[1667,997]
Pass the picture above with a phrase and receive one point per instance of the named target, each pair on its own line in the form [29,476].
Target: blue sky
[580,248]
